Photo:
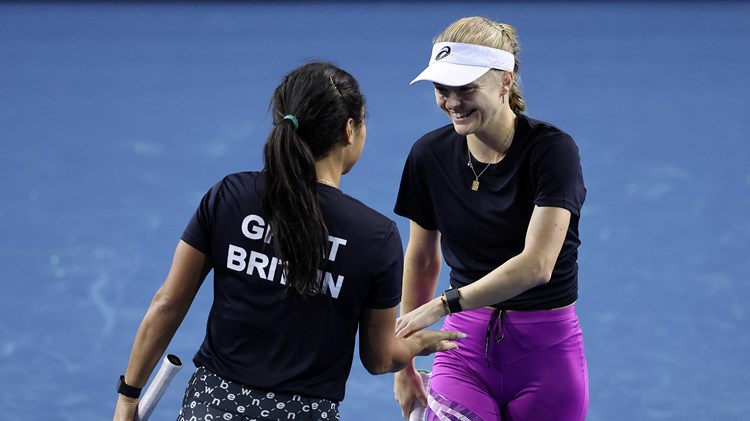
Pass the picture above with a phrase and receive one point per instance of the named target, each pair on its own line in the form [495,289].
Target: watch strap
[128,390]
[452,298]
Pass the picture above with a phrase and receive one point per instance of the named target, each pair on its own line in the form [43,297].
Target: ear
[508,80]
[348,133]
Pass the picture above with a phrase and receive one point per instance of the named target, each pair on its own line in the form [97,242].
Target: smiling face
[475,108]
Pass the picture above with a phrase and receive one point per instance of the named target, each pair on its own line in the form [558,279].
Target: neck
[492,145]
[328,171]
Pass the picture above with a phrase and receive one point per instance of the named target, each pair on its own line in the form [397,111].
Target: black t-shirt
[480,230]
[261,335]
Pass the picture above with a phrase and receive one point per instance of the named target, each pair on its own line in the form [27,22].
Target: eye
[442,90]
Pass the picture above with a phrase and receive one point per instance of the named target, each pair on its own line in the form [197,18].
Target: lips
[459,116]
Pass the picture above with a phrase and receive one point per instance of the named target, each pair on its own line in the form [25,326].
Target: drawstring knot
[492,326]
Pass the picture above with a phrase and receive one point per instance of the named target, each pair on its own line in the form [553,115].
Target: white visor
[457,64]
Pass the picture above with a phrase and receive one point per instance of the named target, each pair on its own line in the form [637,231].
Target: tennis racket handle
[169,367]
[417,409]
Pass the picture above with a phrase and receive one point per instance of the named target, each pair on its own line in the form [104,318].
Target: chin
[463,129]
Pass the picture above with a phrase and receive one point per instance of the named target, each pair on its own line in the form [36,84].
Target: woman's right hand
[408,388]
[426,342]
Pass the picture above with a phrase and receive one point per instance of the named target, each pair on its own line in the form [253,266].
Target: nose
[452,100]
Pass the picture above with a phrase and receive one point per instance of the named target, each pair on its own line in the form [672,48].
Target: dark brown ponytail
[318,98]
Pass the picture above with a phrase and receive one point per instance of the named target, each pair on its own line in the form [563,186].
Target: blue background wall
[116,118]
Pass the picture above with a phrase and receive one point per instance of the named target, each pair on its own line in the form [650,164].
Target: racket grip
[169,367]
[417,409]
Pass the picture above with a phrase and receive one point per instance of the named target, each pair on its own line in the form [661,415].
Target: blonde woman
[498,194]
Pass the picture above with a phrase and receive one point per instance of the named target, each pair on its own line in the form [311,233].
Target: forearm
[514,277]
[422,264]
[401,352]
[532,267]
[419,283]
[381,351]
[399,355]
[154,334]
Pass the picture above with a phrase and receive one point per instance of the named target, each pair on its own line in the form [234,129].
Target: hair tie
[294,120]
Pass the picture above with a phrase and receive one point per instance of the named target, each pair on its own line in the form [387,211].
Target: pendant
[475,185]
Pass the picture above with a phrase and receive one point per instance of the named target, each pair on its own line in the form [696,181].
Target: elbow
[163,306]
[543,277]
[535,267]
[541,272]
[386,361]
[378,367]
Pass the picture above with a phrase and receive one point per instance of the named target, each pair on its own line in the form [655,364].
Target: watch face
[452,297]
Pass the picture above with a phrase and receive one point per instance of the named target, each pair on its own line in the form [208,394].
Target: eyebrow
[467,86]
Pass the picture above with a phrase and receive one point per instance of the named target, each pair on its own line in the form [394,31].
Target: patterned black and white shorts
[209,397]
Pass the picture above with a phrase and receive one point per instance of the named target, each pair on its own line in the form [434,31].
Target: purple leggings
[513,366]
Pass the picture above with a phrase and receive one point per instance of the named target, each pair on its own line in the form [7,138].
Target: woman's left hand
[425,315]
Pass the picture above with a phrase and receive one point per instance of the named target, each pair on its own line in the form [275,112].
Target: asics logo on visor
[443,53]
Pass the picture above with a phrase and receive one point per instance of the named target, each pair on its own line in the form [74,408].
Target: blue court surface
[115,118]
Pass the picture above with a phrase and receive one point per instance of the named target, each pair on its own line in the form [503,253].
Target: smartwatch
[127,390]
[452,297]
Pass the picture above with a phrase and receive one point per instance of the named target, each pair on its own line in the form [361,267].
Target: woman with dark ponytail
[310,113]
[299,267]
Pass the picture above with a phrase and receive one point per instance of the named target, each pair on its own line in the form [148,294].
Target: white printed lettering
[257,261]
[266,267]
[334,287]
[236,258]
[254,232]
[272,268]
[335,243]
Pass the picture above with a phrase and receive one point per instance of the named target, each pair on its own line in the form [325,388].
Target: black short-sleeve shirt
[261,335]
[482,229]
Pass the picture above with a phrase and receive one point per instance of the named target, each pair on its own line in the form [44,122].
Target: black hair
[322,98]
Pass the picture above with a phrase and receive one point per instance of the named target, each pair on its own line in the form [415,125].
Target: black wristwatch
[128,390]
[451,297]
